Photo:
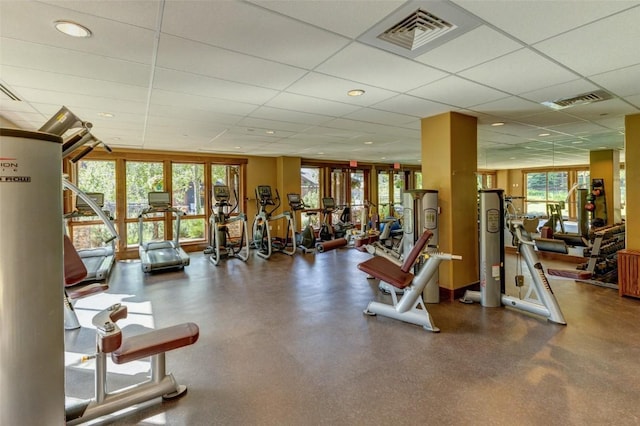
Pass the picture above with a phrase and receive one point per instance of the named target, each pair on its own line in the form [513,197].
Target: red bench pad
[74,269]
[387,271]
[569,273]
[155,342]
[87,290]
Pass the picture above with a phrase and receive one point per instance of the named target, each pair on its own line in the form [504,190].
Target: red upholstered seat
[387,271]
[155,342]
[74,269]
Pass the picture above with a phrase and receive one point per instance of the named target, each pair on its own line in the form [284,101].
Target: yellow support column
[605,165]
[288,181]
[632,175]
[449,165]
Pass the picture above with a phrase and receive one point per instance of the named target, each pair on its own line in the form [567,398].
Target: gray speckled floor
[284,342]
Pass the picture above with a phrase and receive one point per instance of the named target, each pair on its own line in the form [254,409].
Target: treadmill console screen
[328,202]
[264,192]
[221,193]
[159,199]
[96,197]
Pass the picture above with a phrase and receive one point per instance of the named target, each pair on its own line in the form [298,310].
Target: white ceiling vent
[417,29]
[419,26]
[585,98]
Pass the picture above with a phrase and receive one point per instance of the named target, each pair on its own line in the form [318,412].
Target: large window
[94,176]
[142,178]
[350,188]
[391,185]
[187,182]
[310,194]
[544,188]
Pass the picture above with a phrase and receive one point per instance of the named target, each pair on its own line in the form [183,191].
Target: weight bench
[410,307]
[109,340]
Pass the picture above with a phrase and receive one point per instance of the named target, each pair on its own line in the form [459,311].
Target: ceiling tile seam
[154,59]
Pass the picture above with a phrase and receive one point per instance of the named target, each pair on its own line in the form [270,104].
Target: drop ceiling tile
[258,123]
[510,108]
[332,88]
[372,115]
[550,119]
[533,20]
[295,102]
[57,60]
[620,82]
[365,64]
[204,103]
[199,58]
[347,18]
[519,72]
[289,116]
[414,106]
[141,13]
[470,49]
[193,84]
[246,28]
[33,22]
[76,101]
[457,91]
[576,48]
[199,117]
[25,78]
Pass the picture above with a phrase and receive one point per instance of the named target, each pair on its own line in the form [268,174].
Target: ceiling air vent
[416,30]
[419,26]
[585,98]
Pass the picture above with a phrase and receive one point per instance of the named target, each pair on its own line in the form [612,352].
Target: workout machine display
[109,340]
[410,307]
[158,255]
[539,298]
[262,239]
[306,240]
[97,260]
[221,243]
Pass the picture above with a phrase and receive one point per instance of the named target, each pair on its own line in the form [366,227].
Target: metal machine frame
[262,230]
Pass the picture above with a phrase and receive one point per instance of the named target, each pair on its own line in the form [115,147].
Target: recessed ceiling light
[270,132]
[115,138]
[383,158]
[237,147]
[544,134]
[498,123]
[368,143]
[602,147]
[576,142]
[72,29]
[105,114]
[355,92]
[512,158]
[321,153]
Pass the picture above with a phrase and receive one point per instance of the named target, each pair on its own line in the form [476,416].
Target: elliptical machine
[326,230]
[305,240]
[262,231]
[220,240]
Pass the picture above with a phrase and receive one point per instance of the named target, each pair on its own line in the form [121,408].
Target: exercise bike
[262,240]
[306,240]
[221,219]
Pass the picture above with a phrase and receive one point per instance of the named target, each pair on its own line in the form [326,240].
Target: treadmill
[158,255]
[98,260]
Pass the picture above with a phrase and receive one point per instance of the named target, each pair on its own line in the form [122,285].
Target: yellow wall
[632,174]
[260,171]
[289,181]
[605,165]
[449,165]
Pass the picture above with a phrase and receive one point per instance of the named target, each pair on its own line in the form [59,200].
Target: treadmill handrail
[92,204]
